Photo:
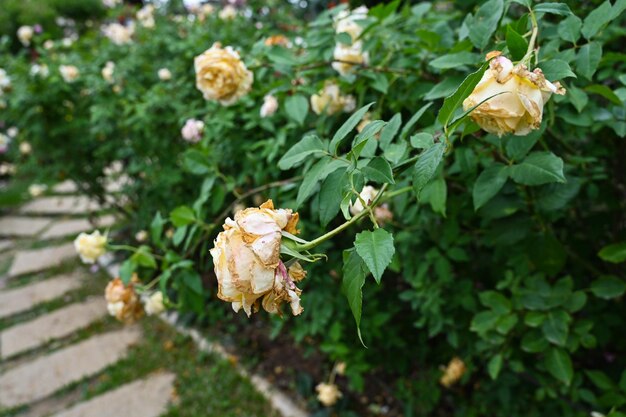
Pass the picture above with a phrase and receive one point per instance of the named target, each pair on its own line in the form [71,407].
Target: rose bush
[487,205]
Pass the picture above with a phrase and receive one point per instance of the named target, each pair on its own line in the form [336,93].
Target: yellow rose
[519,107]
[453,372]
[122,301]
[153,304]
[330,101]
[221,75]
[328,394]
[90,247]
[69,73]
[246,257]
[346,57]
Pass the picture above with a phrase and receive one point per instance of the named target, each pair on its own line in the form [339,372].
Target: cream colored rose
[145,16]
[203,11]
[228,13]
[453,372]
[122,301]
[153,304]
[118,33]
[141,236]
[192,130]
[35,190]
[25,148]
[246,257]
[328,394]
[347,57]
[330,101]
[90,246]
[367,195]
[107,72]
[69,73]
[518,109]
[5,141]
[164,74]
[25,34]
[269,107]
[49,44]
[347,21]
[39,70]
[221,75]
[5,81]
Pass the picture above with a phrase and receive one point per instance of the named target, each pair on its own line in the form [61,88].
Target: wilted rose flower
[164,74]
[118,33]
[221,75]
[368,194]
[39,70]
[330,100]
[69,73]
[25,34]
[328,394]
[35,190]
[346,57]
[347,21]
[107,72]
[280,40]
[5,141]
[246,257]
[122,301]
[192,130]
[270,105]
[145,16]
[153,304]
[90,246]
[453,372]
[518,108]
[25,148]
[228,13]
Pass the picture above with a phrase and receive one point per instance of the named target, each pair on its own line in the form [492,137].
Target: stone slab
[74,226]
[5,244]
[61,205]
[33,381]
[144,398]
[65,187]
[22,226]
[34,260]
[20,299]
[56,325]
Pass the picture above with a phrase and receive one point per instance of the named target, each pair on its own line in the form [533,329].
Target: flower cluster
[517,97]
[247,261]
[348,55]
[330,101]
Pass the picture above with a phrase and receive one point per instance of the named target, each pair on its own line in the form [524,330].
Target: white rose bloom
[368,194]
[348,57]
[118,33]
[141,236]
[145,16]
[25,148]
[49,44]
[69,73]
[90,246]
[25,34]
[153,304]
[328,394]
[347,21]
[12,131]
[270,105]
[164,74]
[107,72]
[228,13]
[5,141]
[330,101]
[39,70]
[192,130]
[5,80]
[35,190]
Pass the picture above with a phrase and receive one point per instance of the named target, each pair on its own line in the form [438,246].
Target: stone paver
[61,205]
[144,398]
[22,226]
[24,298]
[34,260]
[65,187]
[75,226]
[55,325]
[42,377]
[5,244]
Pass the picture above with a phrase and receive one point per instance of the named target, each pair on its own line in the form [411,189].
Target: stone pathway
[35,260]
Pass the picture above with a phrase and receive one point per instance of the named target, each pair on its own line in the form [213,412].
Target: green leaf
[317,173]
[297,107]
[553,8]
[379,170]
[192,281]
[588,59]
[516,43]
[426,166]
[556,69]
[331,194]
[144,258]
[484,321]
[126,270]
[597,19]
[489,183]
[414,119]
[196,162]
[538,168]
[534,342]
[495,301]
[451,103]
[376,249]
[485,22]
[390,130]
[156,227]
[559,364]
[556,327]
[309,145]
[281,56]
[608,286]
[436,194]
[600,380]
[182,216]
[352,284]
[577,97]
[454,60]
[615,253]
[347,127]
[494,366]
[605,92]
[517,147]
[569,29]
[422,140]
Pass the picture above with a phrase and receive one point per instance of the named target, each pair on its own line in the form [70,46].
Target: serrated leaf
[347,127]
[556,69]
[451,103]
[331,195]
[608,286]
[559,364]
[297,107]
[309,145]
[489,183]
[595,20]
[615,253]
[379,170]
[588,58]
[376,249]
[553,8]
[182,216]
[569,29]
[422,140]
[435,193]
[426,166]
[538,168]
[390,131]
[516,43]
[352,284]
